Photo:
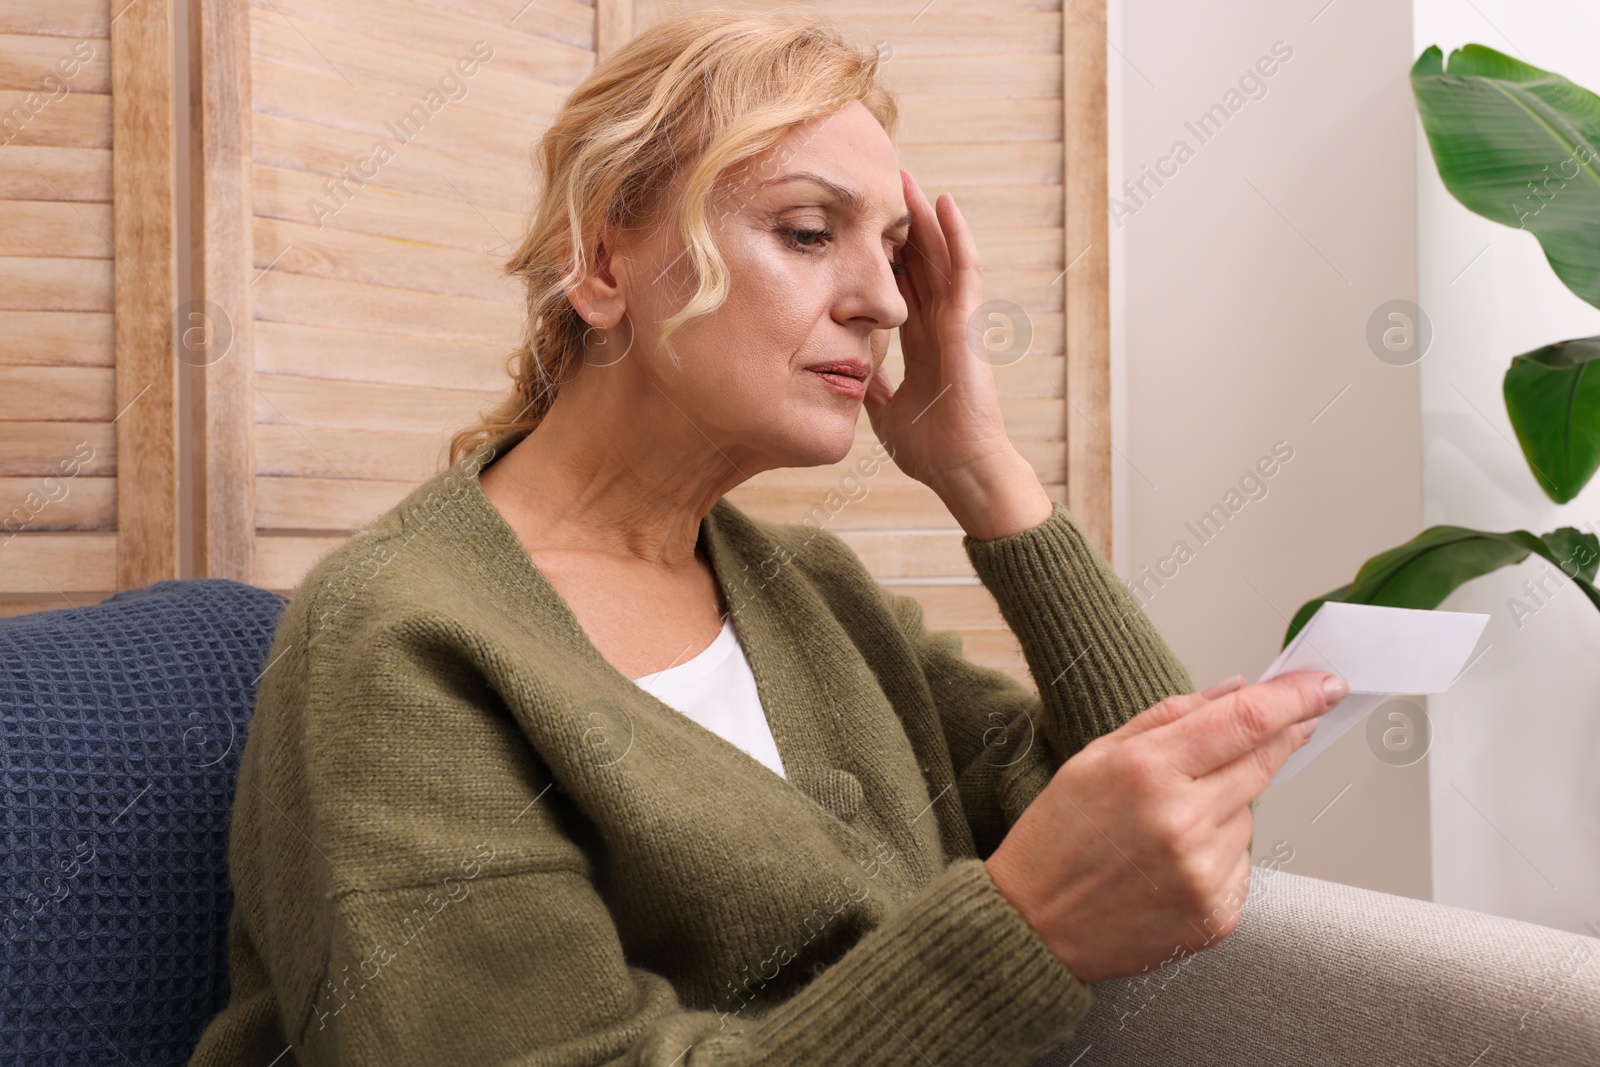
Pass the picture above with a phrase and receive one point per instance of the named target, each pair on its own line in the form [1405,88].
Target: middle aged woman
[568,760]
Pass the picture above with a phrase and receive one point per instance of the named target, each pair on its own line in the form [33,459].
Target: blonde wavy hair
[707,90]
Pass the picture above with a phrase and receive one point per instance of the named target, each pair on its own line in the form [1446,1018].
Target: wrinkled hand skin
[1141,843]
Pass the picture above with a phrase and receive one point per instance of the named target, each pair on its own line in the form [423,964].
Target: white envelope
[1381,652]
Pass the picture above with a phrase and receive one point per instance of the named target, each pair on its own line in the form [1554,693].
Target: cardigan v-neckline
[792,695]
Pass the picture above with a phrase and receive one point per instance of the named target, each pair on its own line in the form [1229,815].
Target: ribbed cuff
[957,976]
[1092,650]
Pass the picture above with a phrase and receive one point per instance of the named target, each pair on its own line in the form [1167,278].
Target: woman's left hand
[943,423]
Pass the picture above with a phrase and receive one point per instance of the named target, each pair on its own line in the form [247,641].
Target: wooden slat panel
[77,120]
[356,257]
[1049,334]
[146,277]
[58,502]
[945,164]
[324,504]
[58,394]
[569,21]
[847,11]
[1020,248]
[363,405]
[47,64]
[333,452]
[449,34]
[613,26]
[487,184]
[958,31]
[1034,74]
[12,606]
[55,339]
[1039,291]
[346,305]
[355,355]
[945,120]
[1087,286]
[220,231]
[37,284]
[41,173]
[384,66]
[58,18]
[284,194]
[993,204]
[64,562]
[55,228]
[56,448]
[330,100]
[909,554]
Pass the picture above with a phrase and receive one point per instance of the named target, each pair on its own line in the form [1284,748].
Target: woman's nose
[874,292]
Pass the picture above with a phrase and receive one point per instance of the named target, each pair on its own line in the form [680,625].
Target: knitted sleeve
[1094,655]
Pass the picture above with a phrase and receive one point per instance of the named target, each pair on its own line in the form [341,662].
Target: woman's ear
[598,295]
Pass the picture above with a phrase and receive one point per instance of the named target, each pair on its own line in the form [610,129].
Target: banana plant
[1553,397]
[1520,146]
[1440,559]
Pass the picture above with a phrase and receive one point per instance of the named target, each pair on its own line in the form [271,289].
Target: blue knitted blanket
[121,726]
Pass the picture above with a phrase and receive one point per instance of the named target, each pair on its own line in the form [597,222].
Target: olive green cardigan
[461,836]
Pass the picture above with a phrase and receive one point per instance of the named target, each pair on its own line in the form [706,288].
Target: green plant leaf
[1553,397]
[1576,553]
[1309,608]
[1441,559]
[1518,145]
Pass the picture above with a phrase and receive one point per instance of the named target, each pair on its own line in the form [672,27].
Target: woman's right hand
[1137,852]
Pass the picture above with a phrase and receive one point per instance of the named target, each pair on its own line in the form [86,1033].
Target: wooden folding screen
[360,172]
[363,172]
[88,388]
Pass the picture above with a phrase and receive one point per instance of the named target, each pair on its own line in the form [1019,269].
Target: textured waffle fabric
[122,728]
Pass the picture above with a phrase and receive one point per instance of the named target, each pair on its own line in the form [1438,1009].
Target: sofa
[123,724]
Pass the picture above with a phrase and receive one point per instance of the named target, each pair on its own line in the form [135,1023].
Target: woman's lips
[842,384]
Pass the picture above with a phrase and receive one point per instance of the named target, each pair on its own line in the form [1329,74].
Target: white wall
[1515,790]
[1242,288]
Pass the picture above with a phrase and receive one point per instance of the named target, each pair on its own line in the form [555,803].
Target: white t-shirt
[717,690]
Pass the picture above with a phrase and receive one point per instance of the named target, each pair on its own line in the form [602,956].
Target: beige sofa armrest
[1319,974]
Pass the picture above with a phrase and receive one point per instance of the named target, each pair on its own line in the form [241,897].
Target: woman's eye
[803,238]
[806,240]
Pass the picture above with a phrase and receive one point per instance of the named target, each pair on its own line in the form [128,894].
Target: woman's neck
[613,472]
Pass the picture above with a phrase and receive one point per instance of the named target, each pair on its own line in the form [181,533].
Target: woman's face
[808,230]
